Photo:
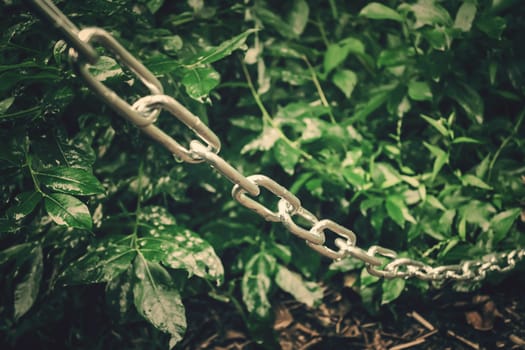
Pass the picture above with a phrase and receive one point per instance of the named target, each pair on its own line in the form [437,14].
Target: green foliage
[402,120]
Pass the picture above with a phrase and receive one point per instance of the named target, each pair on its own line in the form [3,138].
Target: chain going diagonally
[143,113]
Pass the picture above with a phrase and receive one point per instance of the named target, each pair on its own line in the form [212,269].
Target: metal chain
[143,113]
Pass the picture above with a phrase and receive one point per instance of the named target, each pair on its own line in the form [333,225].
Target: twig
[516,340]
[409,344]
[463,340]
[416,316]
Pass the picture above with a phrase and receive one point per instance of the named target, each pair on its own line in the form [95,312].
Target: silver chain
[143,113]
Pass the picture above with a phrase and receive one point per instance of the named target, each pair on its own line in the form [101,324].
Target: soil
[491,318]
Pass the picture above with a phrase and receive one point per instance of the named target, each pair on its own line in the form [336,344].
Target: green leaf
[419,91]
[394,207]
[5,104]
[308,293]
[67,210]
[355,176]
[375,10]
[200,81]
[156,216]
[337,53]
[345,80]
[298,17]
[105,68]
[24,204]
[214,54]
[472,180]
[393,57]
[286,155]
[392,289]
[157,300]
[172,44]
[256,283]
[428,12]
[16,252]
[265,141]
[492,26]
[28,282]
[468,99]
[464,139]
[440,38]
[180,248]
[465,16]
[102,262]
[69,180]
[442,158]
[439,125]
[154,5]
[502,222]
[119,295]
[376,101]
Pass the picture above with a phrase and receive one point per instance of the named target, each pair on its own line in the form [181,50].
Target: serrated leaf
[30,275]
[472,180]
[392,289]
[200,81]
[375,10]
[102,262]
[345,80]
[256,283]
[465,16]
[308,293]
[180,248]
[286,155]
[502,222]
[439,124]
[68,211]
[69,180]
[419,91]
[157,300]
[224,49]
[24,204]
[298,17]
[468,99]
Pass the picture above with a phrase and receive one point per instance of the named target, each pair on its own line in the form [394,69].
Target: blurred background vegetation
[401,120]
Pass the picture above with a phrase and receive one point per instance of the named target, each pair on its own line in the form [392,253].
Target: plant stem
[33,177]
[139,201]
[266,116]
[320,91]
[505,142]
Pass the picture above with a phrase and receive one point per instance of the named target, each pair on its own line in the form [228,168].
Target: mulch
[490,318]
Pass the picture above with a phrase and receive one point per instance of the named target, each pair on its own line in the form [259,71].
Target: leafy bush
[400,120]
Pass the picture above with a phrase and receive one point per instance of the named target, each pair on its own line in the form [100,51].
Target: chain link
[379,261]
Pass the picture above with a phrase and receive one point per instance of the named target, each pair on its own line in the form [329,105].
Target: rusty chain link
[379,261]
